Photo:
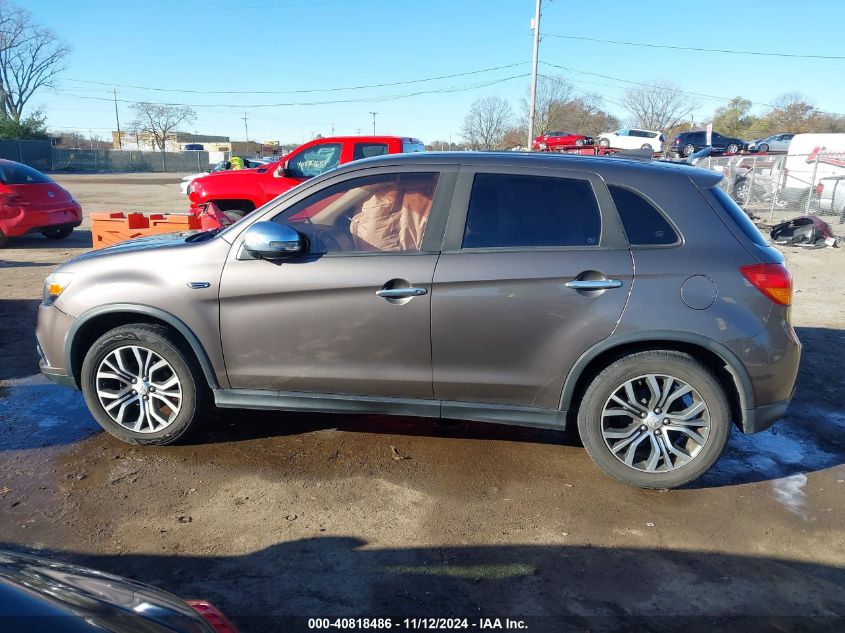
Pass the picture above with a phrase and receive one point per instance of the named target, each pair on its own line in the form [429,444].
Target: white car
[632,139]
[249,163]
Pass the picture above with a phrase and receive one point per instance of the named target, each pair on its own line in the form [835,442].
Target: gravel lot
[282,515]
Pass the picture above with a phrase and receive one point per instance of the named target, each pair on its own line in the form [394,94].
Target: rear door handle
[593,284]
[401,293]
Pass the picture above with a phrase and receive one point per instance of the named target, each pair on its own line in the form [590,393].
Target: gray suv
[633,299]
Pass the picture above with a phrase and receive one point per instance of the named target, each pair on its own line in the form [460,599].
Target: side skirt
[338,403]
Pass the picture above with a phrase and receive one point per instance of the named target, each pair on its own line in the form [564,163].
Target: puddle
[35,413]
[807,440]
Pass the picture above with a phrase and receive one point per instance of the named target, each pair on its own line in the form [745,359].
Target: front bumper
[51,336]
[20,220]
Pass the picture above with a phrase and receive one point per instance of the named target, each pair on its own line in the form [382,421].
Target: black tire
[688,150]
[645,146]
[4,239]
[604,143]
[763,147]
[663,362]
[163,342]
[741,190]
[732,148]
[56,232]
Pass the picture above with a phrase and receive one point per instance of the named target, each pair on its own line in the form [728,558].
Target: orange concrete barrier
[113,228]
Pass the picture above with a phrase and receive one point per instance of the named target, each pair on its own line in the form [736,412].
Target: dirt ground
[278,517]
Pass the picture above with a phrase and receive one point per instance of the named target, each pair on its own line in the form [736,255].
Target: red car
[30,201]
[238,192]
[552,141]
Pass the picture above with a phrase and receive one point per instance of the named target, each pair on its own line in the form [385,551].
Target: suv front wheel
[140,385]
[655,419]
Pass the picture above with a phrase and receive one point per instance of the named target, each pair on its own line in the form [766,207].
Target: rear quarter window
[739,217]
[644,224]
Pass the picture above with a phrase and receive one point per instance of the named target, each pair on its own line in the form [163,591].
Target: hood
[152,242]
[33,586]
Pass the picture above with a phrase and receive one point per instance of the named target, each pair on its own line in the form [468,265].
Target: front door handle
[401,293]
[593,284]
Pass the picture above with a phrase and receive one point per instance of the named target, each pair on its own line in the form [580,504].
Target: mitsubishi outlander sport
[632,299]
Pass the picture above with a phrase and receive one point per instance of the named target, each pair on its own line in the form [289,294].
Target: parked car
[484,286]
[223,165]
[32,202]
[238,193]
[37,594]
[632,139]
[552,141]
[774,143]
[688,143]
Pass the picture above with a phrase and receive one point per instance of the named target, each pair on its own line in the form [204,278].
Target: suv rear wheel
[689,149]
[140,384]
[656,419]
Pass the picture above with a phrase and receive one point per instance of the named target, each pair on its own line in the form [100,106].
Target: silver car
[774,143]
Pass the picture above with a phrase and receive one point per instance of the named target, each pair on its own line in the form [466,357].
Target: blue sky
[287,45]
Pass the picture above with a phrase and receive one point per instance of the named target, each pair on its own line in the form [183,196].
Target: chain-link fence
[97,160]
[43,156]
[777,187]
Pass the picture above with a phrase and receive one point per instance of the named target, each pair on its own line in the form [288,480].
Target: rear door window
[644,224]
[518,211]
[368,150]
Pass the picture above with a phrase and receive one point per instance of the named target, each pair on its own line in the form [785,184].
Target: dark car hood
[86,599]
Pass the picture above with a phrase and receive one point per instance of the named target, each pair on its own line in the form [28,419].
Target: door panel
[316,324]
[506,329]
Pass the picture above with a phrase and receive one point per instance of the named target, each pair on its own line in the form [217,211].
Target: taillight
[677,140]
[12,198]
[773,280]
[819,189]
[211,614]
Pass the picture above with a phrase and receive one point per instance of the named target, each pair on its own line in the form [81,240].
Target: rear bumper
[762,418]
[19,220]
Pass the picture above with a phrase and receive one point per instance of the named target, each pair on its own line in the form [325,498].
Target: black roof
[597,164]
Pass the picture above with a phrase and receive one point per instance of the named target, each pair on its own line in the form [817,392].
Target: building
[177,142]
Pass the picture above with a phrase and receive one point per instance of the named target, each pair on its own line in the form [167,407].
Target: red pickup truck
[236,193]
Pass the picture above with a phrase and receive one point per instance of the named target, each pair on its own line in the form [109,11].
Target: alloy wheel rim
[655,423]
[138,389]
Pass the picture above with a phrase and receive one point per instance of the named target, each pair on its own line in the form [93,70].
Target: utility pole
[117,118]
[246,129]
[374,122]
[332,128]
[535,23]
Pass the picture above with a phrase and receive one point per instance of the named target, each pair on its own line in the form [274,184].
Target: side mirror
[268,240]
[282,171]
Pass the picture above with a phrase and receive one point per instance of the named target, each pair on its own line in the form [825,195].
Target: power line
[677,90]
[303,91]
[313,103]
[694,48]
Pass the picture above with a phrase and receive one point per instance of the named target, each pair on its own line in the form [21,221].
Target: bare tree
[159,120]
[30,58]
[659,106]
[552,93]
[486,122]
[792,112]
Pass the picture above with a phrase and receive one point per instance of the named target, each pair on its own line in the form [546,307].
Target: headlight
[190,189]
[55,285]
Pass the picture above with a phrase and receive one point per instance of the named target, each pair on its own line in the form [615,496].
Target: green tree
[29,128]
[734,118]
